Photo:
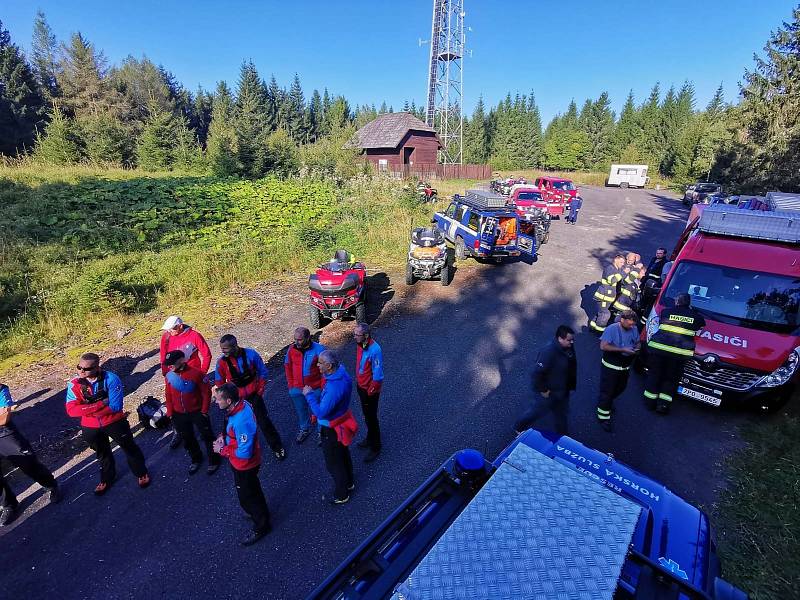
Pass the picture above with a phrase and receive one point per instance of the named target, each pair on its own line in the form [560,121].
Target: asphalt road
[457,375]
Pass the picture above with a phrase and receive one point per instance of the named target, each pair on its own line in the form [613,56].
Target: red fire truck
[741,268]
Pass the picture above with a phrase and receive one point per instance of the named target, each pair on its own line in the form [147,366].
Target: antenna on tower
[444,110]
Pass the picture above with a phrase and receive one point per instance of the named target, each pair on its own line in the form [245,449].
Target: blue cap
[470,460]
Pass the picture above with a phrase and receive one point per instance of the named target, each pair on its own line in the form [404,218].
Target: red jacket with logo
[186,391]
[191,343]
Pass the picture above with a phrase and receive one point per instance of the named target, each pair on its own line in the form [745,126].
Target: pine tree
[155,150]
[222,147]
[274,105]
[82,79]
[716,105]
[338,116]
[476,140]
[251,120]
[104,140]
[21,103]
[141,83]
[532,133]
[44,56]
[315,114]
[58,145]
[203,105]
[597,122]
[281,155]
[187,155]
[648,144]
[627,128]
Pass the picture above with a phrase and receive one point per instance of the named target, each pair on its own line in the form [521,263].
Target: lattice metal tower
[446,78]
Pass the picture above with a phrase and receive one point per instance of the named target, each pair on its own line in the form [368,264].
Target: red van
[557,191]
[742,269]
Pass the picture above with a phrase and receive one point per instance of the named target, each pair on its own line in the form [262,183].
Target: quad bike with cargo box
[338,289]
[428,256]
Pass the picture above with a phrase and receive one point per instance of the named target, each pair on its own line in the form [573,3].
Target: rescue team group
[625,287]
[319,388]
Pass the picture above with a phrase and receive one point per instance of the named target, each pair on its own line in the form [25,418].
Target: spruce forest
[64,105]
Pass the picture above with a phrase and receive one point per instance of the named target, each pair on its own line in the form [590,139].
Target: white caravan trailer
[628,176]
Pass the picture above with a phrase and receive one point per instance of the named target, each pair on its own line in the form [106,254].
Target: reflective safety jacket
[628,297]
[655,268]
[676,330]
[607,287]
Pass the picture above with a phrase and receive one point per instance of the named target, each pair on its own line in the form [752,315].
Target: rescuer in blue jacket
[574,207]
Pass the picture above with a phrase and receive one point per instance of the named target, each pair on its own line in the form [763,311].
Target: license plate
[712,400]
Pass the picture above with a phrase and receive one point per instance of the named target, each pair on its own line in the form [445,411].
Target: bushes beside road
[85,251]
[758,516]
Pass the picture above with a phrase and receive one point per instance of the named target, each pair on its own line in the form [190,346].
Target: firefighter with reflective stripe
[620,344]
[668,350]
[651,283]
[606,293]
[656,265]
[628,297]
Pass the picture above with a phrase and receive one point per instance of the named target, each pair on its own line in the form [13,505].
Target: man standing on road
[337,425]
[656,265]
[574,207]
[619,343]
[302,370]
[17,450]
[95,396]
[179,336]
[554,377]
[245,368]
[239,444]
[606,293]
[188,397]
[668,350]
[651,283]
[369,381]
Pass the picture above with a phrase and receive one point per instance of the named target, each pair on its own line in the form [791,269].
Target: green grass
[86,252]
[758,516]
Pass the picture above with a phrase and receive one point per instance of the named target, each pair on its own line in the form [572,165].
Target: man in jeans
[239,444]
[245,368]
[17,450]
[95,396]
[188,397]
[369,381]
[302,370]
[554,377]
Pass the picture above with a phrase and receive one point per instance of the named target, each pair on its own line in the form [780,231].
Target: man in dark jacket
[337,425]
[554,377]
[17,451]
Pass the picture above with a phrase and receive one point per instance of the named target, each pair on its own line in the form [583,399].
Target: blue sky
[369,51]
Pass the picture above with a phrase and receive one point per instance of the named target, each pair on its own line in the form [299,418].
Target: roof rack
[484,199]
[777,226]
[783,201]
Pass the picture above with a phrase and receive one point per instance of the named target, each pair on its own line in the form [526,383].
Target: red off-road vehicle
[338,289]
[556,191]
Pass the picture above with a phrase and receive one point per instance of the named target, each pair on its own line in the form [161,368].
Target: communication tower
[444,110]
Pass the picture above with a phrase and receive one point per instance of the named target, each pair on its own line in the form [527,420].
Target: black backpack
[152,413]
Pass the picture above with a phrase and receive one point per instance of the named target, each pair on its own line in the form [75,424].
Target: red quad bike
[338,289]
[426,192]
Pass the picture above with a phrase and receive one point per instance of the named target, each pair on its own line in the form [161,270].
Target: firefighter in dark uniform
[629,292]
[620,344]
[651,283]
[606,293]
[667,351]
[16,450]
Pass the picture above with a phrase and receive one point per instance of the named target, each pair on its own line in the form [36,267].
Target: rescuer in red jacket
[239,444]
[177,335]
[188,397]
[95,396]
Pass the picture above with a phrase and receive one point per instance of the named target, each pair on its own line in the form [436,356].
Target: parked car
[548,518]
[556,190]
[480,225]
[699,192]
[523,197]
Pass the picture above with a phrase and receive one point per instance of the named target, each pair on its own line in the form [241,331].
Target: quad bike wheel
[361,312]
[314,317]
[410,279]
[447,274]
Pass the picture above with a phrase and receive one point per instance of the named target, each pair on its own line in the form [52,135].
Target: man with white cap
[177,335]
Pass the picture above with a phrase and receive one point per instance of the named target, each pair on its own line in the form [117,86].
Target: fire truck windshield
[763,301]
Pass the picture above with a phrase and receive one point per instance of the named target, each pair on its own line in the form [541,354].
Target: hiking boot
[280,453]
[351,487]
[54,494]
[338,501]
[255,536]
[194,468]
[144,480]
[7,515]
[101,488]
[302,435]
